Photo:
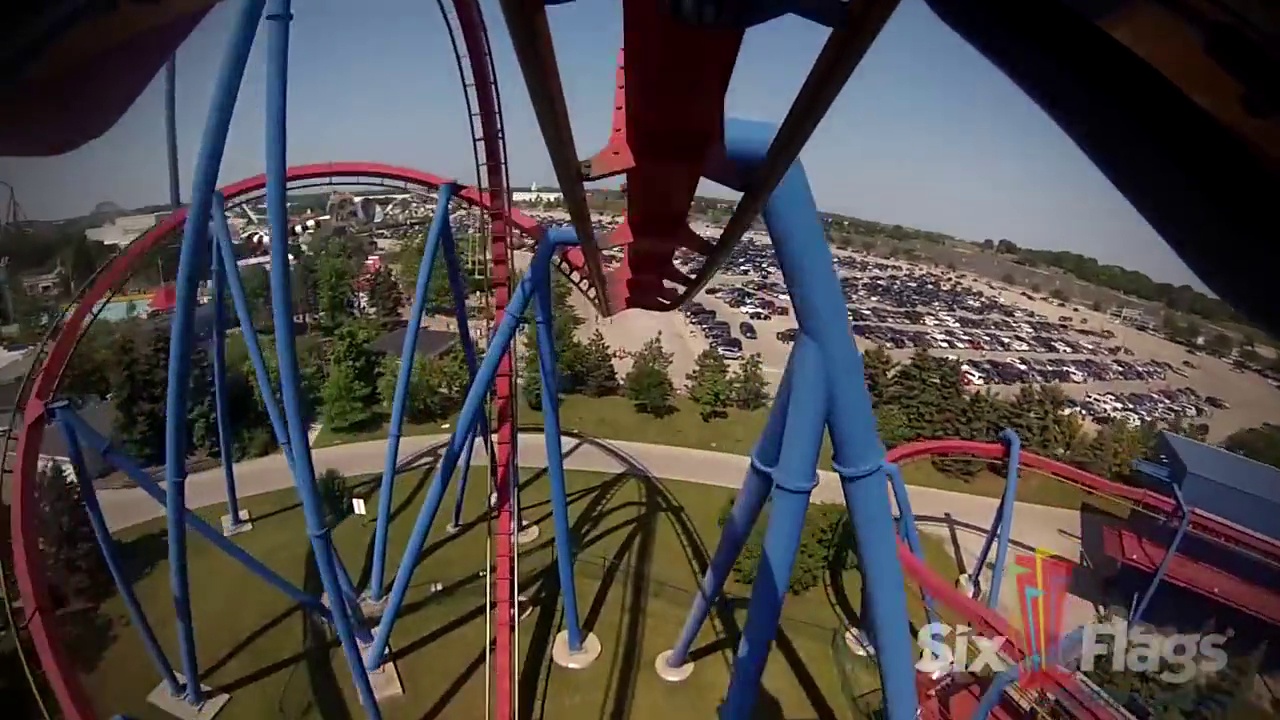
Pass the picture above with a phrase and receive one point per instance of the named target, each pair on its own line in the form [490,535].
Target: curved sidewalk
[957,518]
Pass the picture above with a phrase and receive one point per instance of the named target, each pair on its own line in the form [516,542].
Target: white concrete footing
[859,642]
[527,534]
[183,710]
[452,529]
[235,527]
[385,679]
[566,658]
[671,674]
[965,584]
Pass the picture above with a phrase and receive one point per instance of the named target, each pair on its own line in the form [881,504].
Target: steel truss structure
[663,155]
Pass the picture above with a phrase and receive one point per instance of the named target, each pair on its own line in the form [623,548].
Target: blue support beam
[458,288]
[439,225]
[279,15]
[191,258]
[806,263]
[108,545]
[794,478]
[540,271]
[472,406]
[147,484]
[1135,616]
[1002,525]
[747,505]
[907,524]
[218,281]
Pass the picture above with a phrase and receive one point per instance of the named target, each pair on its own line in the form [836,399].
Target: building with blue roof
[1217,481]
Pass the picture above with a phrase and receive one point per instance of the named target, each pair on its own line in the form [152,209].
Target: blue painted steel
[794,478]
[541,272]
[1007,503]
[171,130]
[806,263]
[471,406]
[456,519]
[219,278]
[439,222]
[459,292]
[147,484]
[1136,615]
[194,248]
[907,523]
[747,505]
[279,15]
[226,250]
[108,545]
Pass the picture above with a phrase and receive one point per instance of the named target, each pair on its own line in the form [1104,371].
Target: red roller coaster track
[28,565]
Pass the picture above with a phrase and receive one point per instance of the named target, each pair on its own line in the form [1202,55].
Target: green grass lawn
[640,543]
[614,418]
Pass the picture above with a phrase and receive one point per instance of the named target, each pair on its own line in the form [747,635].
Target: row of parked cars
[1020,370]
[1154,406]
[717,331]
[948,339]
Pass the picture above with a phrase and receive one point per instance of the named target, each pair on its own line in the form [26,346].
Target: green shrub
[335,496]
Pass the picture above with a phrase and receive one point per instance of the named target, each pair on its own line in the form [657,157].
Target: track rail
[28,565]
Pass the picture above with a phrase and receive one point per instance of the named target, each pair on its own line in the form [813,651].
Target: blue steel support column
[108,545]
[472,405]
[806,263]
[794,478]
[439,222]
[459,291]
[205,178]
[540,270]
[219,277]
[907,522]
[147,484]
[747,505]
[1183,524]
[1002,526]
[1069,647]
[279,15]
[226,250]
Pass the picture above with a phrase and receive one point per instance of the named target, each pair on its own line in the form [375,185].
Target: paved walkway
[958,518]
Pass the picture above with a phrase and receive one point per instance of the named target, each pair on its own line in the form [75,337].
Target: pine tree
[750,389]
[877,367]
[599,377]
[77,570]
[140,395]
[648,382]
[709,385]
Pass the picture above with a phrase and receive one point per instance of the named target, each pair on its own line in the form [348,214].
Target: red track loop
[28,566]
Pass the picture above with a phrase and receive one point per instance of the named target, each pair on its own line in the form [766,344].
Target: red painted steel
[28,565]
[669,116]
[1136,551]
[476,40]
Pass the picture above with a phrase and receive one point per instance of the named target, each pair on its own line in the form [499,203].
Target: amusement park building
[1220,482]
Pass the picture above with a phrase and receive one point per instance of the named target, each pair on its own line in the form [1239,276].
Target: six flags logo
[1042,583]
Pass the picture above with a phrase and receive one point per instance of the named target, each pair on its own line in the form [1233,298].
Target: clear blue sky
[926,134]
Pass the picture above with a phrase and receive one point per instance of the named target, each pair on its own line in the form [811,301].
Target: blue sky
[926,134]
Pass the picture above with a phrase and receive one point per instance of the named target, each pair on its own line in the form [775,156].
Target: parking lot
[1003,338]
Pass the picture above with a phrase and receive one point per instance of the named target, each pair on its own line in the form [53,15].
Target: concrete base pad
[671,674]
[230,528]
[965,584]
[859,642]
[563,657]
[386,679]
[371,608]
[452,529]
[180,708]
[527,534]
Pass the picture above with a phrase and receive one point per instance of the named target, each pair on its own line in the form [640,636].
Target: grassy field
[614,419]
[642,543]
